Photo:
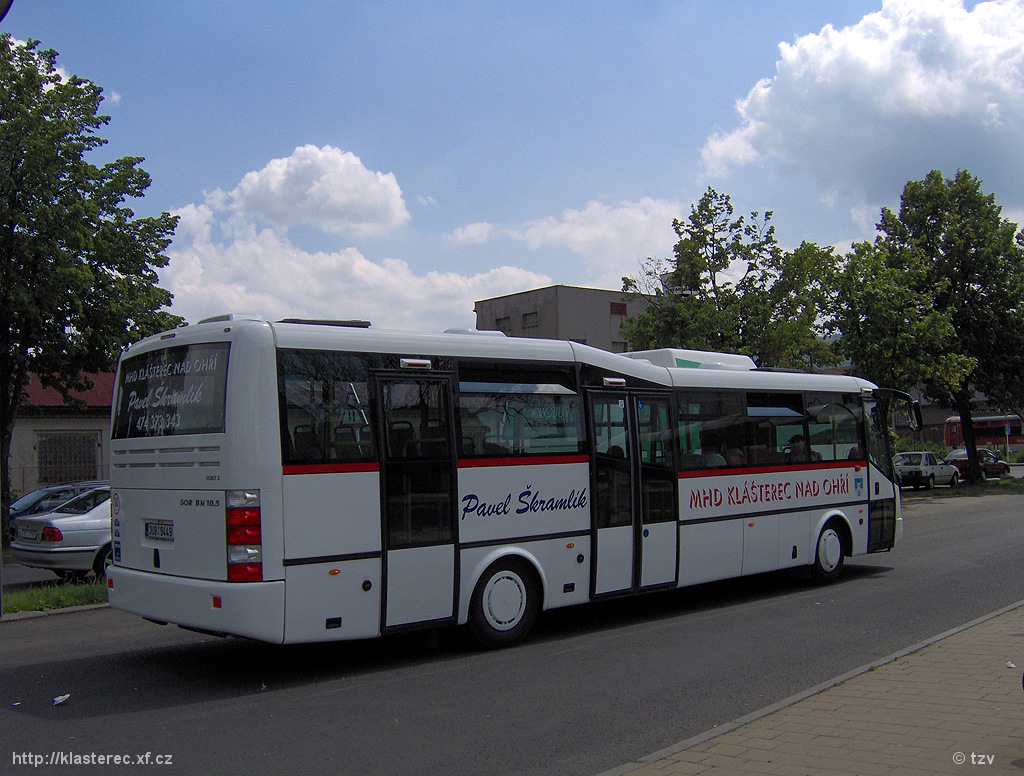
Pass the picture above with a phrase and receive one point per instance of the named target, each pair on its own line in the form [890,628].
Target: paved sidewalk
[949,705]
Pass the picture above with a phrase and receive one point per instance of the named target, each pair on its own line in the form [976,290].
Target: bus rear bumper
[201,604]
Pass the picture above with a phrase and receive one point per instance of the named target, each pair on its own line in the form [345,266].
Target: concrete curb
[14,616]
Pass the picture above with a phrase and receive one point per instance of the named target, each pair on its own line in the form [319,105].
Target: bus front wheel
[829,553]
[505,603]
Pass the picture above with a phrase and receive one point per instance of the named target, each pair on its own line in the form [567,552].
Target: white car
[71,541]
[925,469]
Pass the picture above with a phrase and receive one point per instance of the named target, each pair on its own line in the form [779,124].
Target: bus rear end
[191,542]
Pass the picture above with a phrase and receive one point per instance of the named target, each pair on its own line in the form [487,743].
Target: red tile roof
[100,396]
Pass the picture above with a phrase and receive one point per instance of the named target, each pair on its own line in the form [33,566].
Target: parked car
[991,464]
[49,498]
[71,541]
[925,469]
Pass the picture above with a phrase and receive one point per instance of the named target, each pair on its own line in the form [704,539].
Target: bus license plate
[160,530]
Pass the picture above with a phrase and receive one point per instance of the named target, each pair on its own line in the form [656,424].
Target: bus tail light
[244,536]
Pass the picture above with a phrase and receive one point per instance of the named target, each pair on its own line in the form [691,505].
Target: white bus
[305,481]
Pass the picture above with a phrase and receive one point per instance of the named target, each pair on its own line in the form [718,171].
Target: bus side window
[503,413]
[306,445]
[832,420]
[353,443]
[777,421]
[689,443]
[325,407]
[713,431]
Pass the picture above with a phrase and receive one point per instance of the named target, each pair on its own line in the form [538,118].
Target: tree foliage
[730,287]
[938,299]
[77,269]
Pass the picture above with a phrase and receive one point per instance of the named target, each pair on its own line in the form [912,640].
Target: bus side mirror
[914,416]
[913,407]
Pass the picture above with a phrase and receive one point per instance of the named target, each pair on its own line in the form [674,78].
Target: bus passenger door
[634,492]
[659,494]
[882,488]
[418,495]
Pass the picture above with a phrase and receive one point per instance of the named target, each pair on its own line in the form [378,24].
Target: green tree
[77,269]
[693,302]
[938,299]
[730,287]
[786,300]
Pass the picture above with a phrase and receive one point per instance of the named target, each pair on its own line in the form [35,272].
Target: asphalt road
[18,577]
[594,687]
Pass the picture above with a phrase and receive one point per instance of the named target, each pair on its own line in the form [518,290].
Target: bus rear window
[175,391]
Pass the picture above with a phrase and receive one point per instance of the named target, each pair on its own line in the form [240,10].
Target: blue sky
[398,161]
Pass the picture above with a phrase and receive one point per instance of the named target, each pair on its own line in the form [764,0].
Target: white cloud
[259,270]
[722,151]
[232,253]
[864,217]
[324,187]
[611,239]
[914,87]
[472,234]
[607,233]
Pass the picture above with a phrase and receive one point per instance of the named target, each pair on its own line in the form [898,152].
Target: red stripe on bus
[331,468]
[778,469]
[470,463]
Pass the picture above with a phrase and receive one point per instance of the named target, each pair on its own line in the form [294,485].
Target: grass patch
[1004,486]
[54,596]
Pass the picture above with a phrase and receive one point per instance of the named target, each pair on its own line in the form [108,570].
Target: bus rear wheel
[829,553]
[504,604]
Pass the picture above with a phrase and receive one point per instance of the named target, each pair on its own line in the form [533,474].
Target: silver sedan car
[925,469]
[72,541]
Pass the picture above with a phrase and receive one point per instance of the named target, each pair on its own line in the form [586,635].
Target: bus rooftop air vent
[315,322]
[228,317]
[476,332]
